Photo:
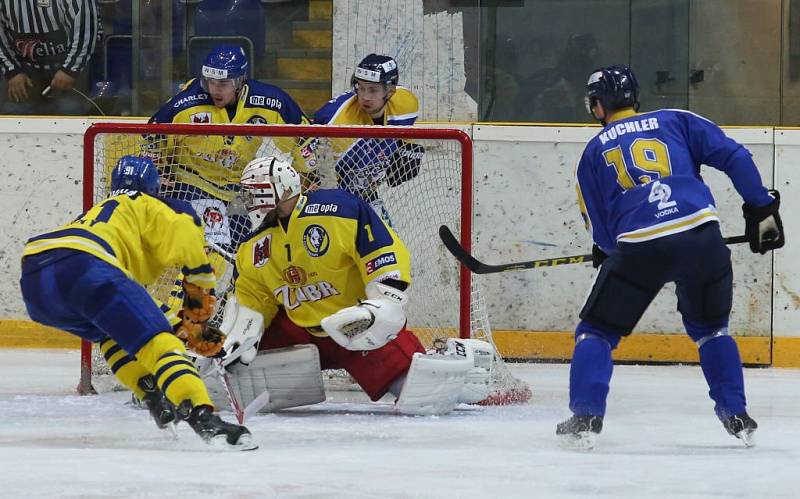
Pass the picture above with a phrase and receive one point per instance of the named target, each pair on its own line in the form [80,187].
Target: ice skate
[743,427]
[213,430]
[160,408]
[580,432]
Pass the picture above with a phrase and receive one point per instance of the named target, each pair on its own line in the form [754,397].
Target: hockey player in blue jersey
[363,165]
[654,221]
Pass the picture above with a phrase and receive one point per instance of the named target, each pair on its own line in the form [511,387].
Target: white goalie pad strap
[367,326]
[243,327]
[290,377]
[481,355]
[433,384]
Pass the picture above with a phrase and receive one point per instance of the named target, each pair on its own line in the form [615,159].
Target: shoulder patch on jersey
[179,206]
[261,250]
[316,240]
[204,117]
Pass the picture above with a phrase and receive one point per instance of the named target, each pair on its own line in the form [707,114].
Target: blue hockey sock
[722,367]
[590,372]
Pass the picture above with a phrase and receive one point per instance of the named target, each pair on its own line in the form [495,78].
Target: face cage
[259,199]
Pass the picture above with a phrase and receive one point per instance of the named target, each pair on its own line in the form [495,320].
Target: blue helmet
[225,62]
[136,173]
[615,87]
[377,69]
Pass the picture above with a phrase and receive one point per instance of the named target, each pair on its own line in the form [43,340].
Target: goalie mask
[225,62]
[135,173]
[265,183]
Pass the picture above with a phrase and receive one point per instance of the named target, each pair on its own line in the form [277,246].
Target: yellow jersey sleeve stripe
[72,243]
[75,232]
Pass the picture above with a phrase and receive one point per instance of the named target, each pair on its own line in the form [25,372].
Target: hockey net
[444,299]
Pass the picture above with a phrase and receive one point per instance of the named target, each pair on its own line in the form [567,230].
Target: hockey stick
[477,267]
[226,384]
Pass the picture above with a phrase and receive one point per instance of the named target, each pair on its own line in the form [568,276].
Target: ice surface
[661,439]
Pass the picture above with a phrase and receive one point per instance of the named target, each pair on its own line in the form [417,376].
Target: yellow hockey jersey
[334,245]
[139,234]
[401,109]
[213,164]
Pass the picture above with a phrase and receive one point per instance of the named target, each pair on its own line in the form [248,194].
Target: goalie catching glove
[200,337]
[763,225]
[372,323]
[198,303]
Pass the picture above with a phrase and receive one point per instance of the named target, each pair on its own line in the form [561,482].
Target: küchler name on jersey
[642,125]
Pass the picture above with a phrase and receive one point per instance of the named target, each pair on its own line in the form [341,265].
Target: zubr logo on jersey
[261,250]
[293,296]
[316,240]
[380,261]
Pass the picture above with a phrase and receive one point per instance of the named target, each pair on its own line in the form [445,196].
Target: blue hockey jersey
[639,178]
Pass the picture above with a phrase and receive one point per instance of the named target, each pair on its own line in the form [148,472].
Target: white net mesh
[413,182]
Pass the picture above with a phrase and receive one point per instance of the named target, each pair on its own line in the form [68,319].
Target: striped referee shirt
[47,35]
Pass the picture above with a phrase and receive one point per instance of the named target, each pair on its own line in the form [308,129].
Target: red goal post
[447,166]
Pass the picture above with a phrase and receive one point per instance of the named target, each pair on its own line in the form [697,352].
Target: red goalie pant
[373,370]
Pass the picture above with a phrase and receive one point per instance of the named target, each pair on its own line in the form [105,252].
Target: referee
[45,45]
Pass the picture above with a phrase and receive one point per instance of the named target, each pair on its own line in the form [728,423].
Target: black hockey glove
[763,225]
[404,163]
[598,256]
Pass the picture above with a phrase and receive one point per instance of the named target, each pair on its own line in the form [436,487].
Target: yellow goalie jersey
[139,234]
[334,246]
[213,164]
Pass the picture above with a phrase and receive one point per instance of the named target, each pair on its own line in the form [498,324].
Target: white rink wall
[524,208]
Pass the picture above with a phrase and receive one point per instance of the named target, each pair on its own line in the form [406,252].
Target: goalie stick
[478,267]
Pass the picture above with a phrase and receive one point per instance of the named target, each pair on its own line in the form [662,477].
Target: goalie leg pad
[433,384]
[481,355]
[291,376]
[376,370]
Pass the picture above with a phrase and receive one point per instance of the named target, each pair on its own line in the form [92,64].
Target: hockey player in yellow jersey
[205,169]
[323,270]
[87,278]
[375,99]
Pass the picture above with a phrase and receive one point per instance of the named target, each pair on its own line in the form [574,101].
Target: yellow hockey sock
[164,356]
[126,369]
